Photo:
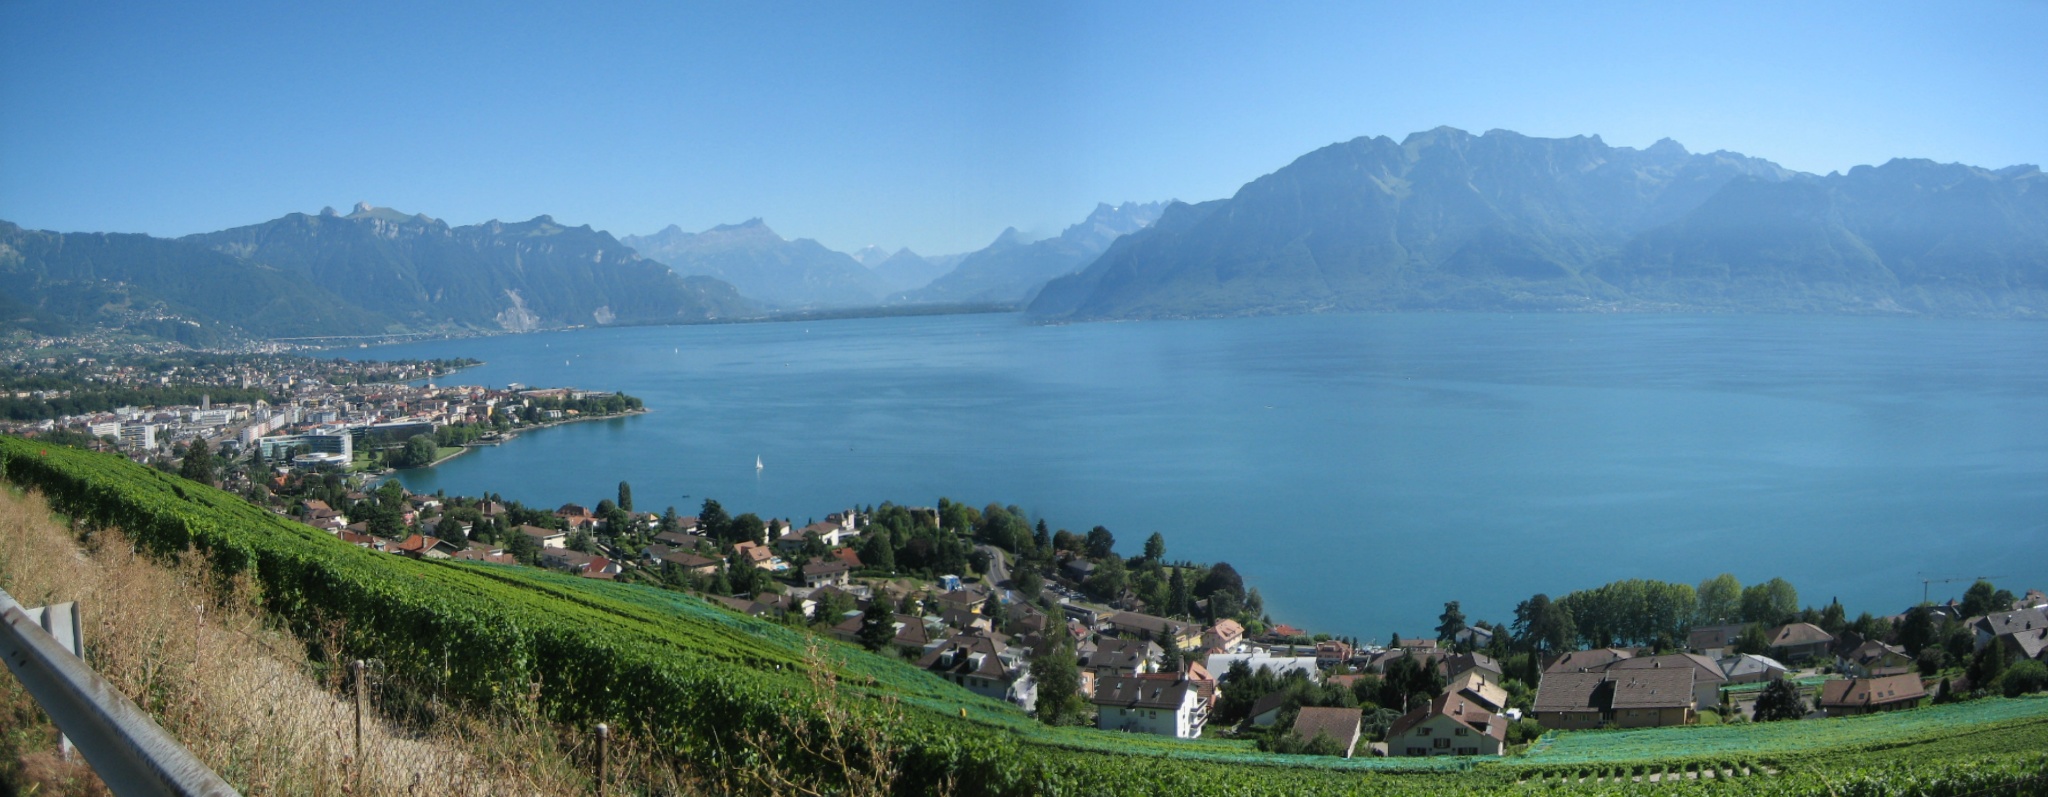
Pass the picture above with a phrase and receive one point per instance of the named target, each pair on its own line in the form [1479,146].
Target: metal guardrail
[128,750]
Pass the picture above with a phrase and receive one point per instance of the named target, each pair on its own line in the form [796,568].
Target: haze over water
[1359,470]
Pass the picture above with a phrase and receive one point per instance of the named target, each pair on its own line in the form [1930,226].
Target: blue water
[1360,470]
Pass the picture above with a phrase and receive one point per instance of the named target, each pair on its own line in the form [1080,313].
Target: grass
[242,696]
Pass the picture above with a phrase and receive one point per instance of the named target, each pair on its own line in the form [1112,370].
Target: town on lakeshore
[1062,624]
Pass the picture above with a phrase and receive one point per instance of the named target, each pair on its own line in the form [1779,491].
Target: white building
[1162,706]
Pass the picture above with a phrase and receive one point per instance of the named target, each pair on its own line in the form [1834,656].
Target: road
[998,566]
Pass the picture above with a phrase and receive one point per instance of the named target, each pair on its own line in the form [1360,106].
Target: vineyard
[693,678]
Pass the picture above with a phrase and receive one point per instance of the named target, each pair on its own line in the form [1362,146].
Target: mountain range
[1448,220]
[765,266]
[372,271]
[1011,269]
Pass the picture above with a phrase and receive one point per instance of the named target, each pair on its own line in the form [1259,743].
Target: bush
[1524,730]
[2024,677]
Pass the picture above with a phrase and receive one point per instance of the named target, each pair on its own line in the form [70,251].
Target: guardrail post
[356,668]
[129,751]
[604,743]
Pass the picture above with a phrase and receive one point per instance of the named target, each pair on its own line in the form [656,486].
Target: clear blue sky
[932,125]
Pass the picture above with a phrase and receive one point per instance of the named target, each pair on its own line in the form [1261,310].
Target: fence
[127,749]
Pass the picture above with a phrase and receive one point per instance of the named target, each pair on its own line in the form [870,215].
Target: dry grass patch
[197,656]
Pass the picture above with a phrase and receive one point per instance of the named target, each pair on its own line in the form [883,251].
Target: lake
[1359,470]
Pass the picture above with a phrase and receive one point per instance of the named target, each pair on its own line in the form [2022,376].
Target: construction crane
[1924,582]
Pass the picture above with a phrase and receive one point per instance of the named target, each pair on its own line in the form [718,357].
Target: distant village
[1060,624]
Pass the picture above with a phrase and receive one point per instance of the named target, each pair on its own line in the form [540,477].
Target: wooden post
[356,669]
[604,739]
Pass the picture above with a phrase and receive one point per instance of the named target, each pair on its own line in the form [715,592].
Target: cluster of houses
[1614,687]
[954,633]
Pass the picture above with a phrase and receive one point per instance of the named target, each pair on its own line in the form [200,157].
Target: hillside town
[1039,632]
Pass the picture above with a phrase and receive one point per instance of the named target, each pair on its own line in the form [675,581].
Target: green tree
[1108,581]
[829,609]
[625,496]
[1754,639]
[712,520]
[1781,700]
[1542,626]
[1770,603]
[198,463]
[1180,597]
[1058,674]
[1101,543]
[523,549]
[418,451]
[1982,598]
[1833,619]
[1917,630]
[1720,600]
[877,628]
[1450,622]
[1155,548]
[1987,665]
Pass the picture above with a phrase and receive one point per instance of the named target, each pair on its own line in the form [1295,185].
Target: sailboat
[757,463]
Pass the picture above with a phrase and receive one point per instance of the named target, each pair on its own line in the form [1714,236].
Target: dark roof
[1668,687]
[1714,636]
[1159,626]
[1872,691]
[1135,692]
[1125,655]
[1268,703]
[1458,664]
[688,560]
[1340,724]
[2013,622]
[833,567]
[1799,634]
[1457,707]
[1573,691]
[1587,660]
[966,653]
[1705,668]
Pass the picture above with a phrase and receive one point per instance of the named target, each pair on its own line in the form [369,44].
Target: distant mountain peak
[1667,148]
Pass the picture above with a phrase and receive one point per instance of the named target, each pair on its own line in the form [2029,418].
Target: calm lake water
[1359,470]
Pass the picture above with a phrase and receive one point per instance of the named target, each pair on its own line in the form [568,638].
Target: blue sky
[929,125]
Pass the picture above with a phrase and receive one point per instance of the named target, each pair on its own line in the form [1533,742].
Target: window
[1418,751]
[1423,732]
[1442,744]
[1462,731]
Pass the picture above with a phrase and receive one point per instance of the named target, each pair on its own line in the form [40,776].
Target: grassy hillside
[722,693]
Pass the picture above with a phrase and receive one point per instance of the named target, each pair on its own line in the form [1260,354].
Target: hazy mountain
[1012,269]
[871,255]
[375,270]
[764,266]
[58,282]
[906,270]
[1445,219]
[421,272]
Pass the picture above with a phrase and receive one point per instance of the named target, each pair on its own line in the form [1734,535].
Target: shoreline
[513,435]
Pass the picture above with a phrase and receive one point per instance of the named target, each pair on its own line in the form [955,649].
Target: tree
[1982,598]
[1059,686]
[1101,544]
[580,541]
[1220,578]
[1155,548]
[1450,622]
[1108,581]
[523,548]
[625,496]
[1180,597]
[1781,700]
[1916,632]
[198,464]
[419,451]
[1720,600]
[1027,582]
[1753,640]
[831,607]
[1541,626]
[1988,665]
[712,519]
[1040,538]
[877,628]
[1833,619]
[1770,603]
